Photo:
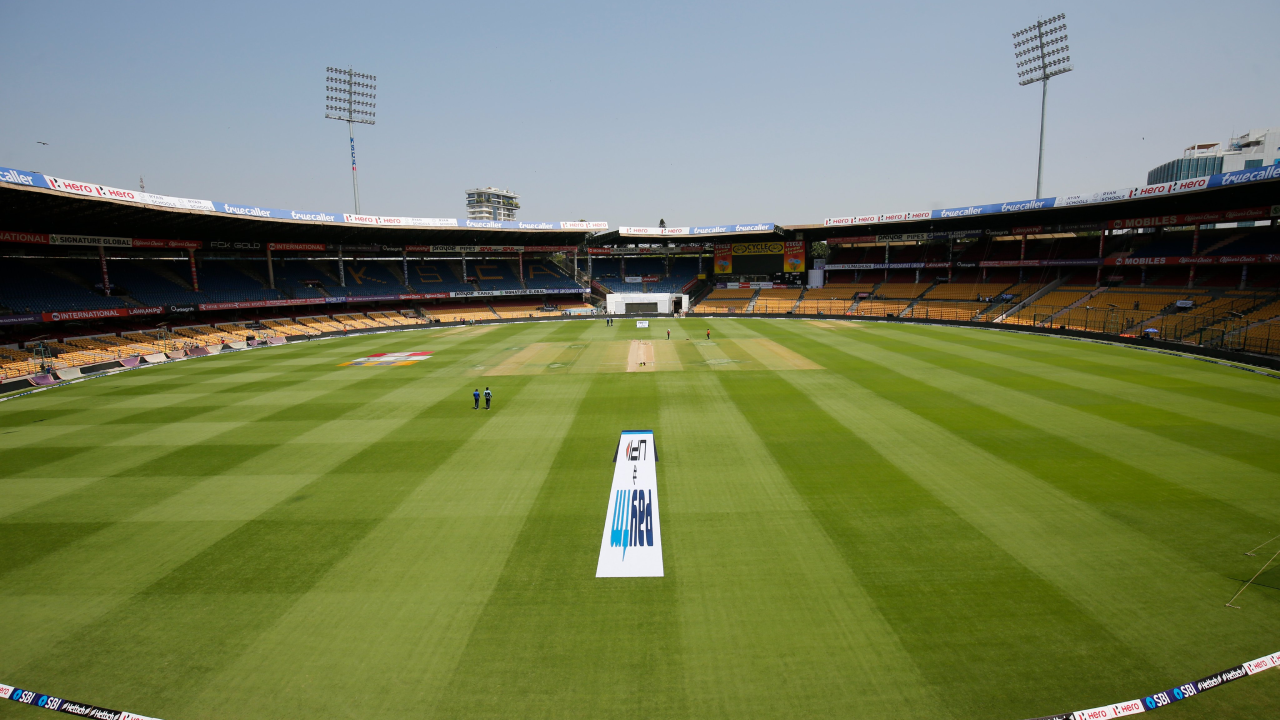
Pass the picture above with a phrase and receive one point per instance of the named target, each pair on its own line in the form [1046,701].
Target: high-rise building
[1252,149]
[492,204]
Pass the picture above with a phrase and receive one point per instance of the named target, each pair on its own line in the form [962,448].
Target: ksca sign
[632,541]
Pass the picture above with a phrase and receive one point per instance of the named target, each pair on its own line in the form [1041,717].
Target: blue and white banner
[1235,177]
[632,542]
[703,230]
[18,177]
[30,179]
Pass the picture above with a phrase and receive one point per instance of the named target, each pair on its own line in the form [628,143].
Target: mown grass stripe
[991,463]
[1191,467]
[1157,364]
[1211,427]
[965,596]
[554,639]
[241,583]
[748,543]
[1232,409]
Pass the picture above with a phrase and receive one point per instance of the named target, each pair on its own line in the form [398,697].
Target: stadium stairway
[751,304]
[906,311]
[1031,299]
[1078,303]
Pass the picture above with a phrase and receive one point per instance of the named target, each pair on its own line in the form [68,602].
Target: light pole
[346,89]
[1041,52]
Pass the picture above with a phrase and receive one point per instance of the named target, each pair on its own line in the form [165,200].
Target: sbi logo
[632,520]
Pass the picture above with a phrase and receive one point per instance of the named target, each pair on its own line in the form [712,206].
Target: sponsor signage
[1235,177]
[1192,218]
[249,304]
[793,256]
[1263,259]
[631,545]
[18,177]
[489,248]
[96,314]
[705,230]
[648,250]
[1130,707]
[389,359]
[19,319]
[1172,695]
[49,702]
[1069,262]
[90,240]
[761,248]
[306,247]
[135,196]
[171,244]
[26,238]
[723,263]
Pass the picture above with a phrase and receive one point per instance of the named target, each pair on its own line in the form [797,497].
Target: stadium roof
[1202,200]
[31,202]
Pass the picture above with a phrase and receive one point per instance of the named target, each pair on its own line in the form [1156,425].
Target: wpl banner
[632,542]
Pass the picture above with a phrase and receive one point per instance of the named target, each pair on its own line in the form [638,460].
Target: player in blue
[476,395]
[488,397]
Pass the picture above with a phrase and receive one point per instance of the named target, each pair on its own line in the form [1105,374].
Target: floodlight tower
[1041,52]
[348,91]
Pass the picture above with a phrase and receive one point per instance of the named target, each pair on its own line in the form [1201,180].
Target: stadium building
[95,274]
[490,203]
[1251,150]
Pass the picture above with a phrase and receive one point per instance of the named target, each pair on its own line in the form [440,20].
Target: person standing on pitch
[476,395]
[488,397]
[708,333]
[668,334]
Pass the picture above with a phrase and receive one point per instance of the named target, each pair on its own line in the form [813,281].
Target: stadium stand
[456,312]
[494,275]
[437,276]
[366,278]
[300,278]
[777,300]
[546,275]
[27,287]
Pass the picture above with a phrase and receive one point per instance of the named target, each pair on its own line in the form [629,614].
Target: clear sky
[696,112]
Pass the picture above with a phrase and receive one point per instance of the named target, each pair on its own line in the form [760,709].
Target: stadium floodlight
[349,98]
[1041,53]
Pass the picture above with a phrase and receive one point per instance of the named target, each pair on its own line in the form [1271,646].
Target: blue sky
[696,112]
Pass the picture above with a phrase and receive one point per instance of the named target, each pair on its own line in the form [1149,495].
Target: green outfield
[859,520]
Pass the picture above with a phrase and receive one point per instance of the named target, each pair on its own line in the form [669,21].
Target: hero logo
[1192,184]
[118,194]
[1150,190]
[893,217]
